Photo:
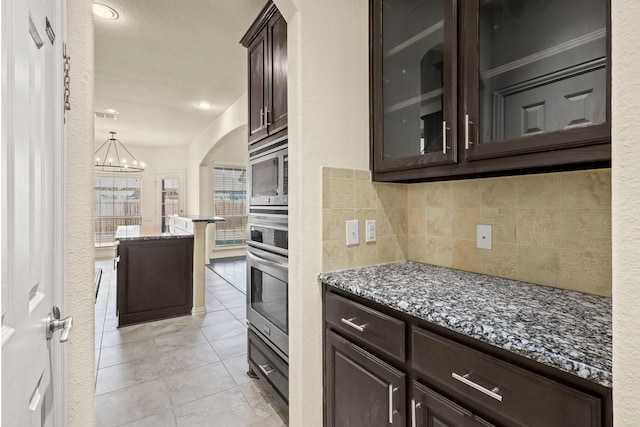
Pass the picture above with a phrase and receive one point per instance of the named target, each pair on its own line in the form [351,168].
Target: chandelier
[110,157]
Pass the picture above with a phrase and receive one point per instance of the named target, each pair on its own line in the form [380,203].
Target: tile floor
[233,270]
[186,371]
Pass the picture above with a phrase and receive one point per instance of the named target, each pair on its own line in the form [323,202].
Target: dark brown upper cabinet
[266,43]
[488,87]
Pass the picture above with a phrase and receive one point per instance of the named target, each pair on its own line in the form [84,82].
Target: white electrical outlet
[483,236]
[370,227]
[352,232]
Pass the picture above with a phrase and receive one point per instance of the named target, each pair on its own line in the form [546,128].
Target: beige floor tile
[238,367]
[126,375]
[123,353]
[127,334]
[225,409]
[260,401]
[163,419]
[197,383]
[177,340]
[132,403]
[224,330]
[228,348]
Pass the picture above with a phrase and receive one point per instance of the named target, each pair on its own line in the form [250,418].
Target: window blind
[230,202]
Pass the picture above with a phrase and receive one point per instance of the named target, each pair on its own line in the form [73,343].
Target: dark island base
[155,279]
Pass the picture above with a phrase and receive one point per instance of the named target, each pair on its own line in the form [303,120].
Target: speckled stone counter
[567,330]
[135,232]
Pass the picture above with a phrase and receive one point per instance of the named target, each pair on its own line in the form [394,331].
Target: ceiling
[160,58]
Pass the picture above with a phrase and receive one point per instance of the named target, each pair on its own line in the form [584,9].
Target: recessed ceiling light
[104,11]
[110,111]
[204,105]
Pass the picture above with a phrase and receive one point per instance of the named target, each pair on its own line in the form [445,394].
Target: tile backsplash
[551,229]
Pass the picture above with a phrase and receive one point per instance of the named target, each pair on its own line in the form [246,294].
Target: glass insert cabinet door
[414,82]
[536,75]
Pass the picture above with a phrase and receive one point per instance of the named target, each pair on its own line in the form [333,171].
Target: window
[170,202]
[230,202]
[117,202]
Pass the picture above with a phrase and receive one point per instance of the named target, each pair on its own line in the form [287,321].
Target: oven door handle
[267,262]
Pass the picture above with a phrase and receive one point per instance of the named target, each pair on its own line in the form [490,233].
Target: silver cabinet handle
[390,404]
[349,322]
[444,136]
[263,368]
[267,112]
[467,122]
[414,419]
[465,380]
[261,118]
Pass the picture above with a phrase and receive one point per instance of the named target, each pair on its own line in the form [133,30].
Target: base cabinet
[269,367]
[429,409]
[155,279]
[445,380]
[363,391]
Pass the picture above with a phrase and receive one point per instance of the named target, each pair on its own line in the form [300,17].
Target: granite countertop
[202,218]
[137,232]
[567,330]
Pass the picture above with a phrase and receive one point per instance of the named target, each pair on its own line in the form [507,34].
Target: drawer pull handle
[465,380]
[349,322]
[414,405]
[263,368]
[390,404]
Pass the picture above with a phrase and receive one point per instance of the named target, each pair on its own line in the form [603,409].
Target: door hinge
[67,78]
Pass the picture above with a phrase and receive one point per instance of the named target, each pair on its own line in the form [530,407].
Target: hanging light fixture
[110,157]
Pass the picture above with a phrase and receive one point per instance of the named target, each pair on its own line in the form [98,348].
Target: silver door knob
[54,323]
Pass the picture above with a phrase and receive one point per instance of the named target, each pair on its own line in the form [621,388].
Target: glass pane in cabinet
[542,66]
[413,60]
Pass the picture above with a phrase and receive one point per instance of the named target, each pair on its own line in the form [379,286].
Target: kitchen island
[154,275]
[161,275]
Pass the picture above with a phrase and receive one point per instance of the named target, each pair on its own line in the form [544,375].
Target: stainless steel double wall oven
[267,246]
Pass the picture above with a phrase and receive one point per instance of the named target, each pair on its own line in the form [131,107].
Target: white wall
[233,118]
[79,254]
[158,160]
[625,211]
[328,45]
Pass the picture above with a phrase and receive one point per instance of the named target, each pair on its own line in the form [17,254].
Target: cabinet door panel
[414,83]
[433,410]
[277,113]
[257,86]
[536,74]
[360,387]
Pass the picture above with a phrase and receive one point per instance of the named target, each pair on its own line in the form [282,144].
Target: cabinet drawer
[514,395]
[382,332]
[268,365]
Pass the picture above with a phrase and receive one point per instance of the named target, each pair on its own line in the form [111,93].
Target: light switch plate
[370,230]
[352,232]
[483,236]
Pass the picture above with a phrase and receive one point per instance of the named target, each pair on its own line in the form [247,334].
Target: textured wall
[80,253]
[328,125]
[625,208]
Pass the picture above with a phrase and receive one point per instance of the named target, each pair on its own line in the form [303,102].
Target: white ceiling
[160,58]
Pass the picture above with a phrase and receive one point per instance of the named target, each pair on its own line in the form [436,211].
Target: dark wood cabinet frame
[574,149]
[266,43]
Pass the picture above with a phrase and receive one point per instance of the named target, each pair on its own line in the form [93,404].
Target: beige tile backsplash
[552,229]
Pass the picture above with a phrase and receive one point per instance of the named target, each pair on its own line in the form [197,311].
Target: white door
[32,231]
